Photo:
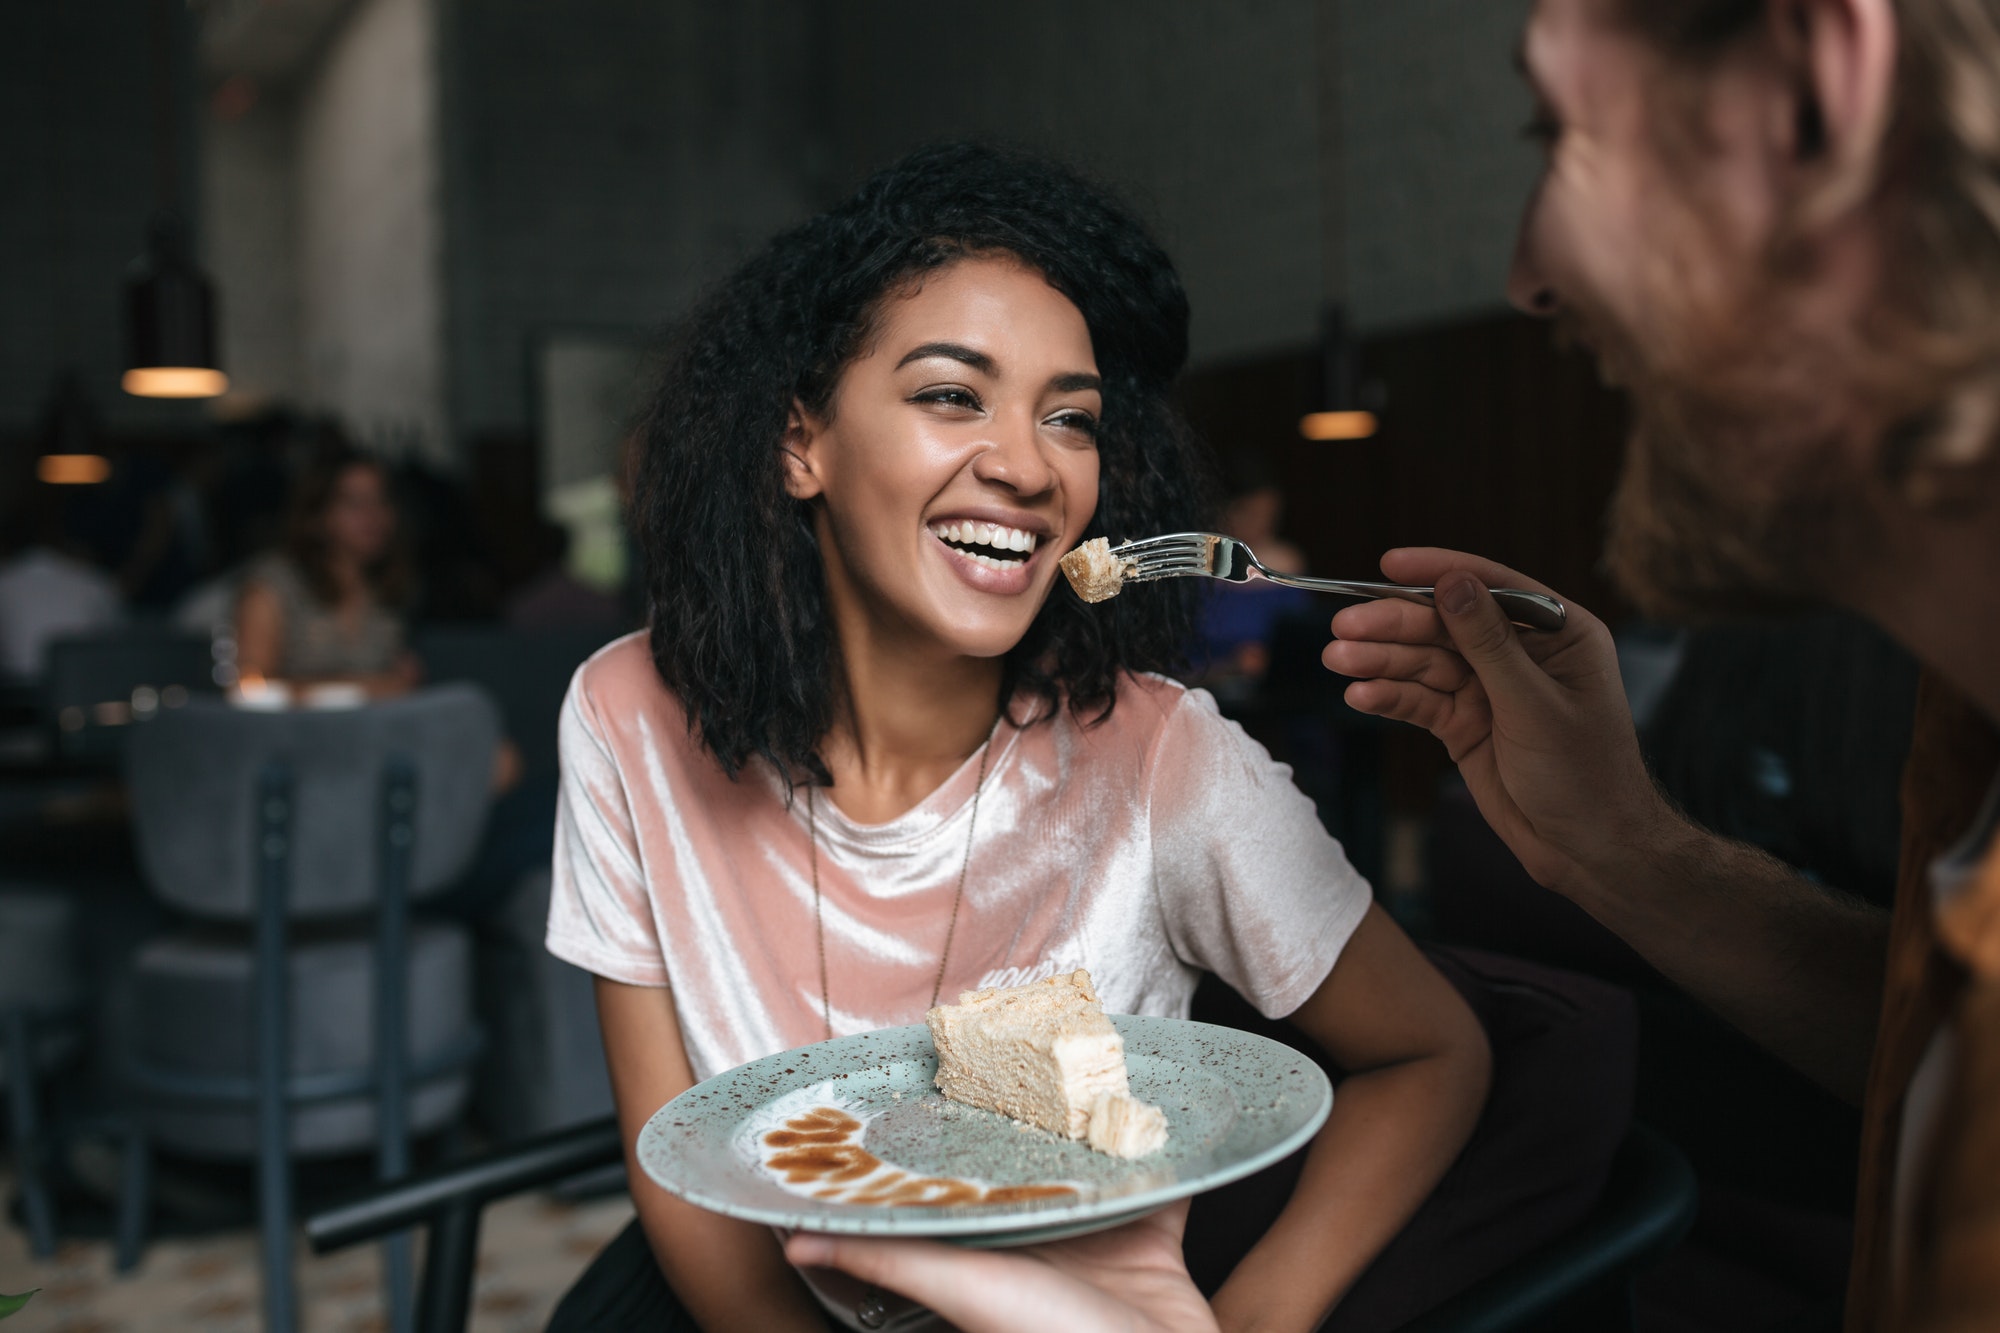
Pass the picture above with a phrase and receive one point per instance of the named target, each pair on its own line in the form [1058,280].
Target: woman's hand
[1131,1279]
[1537,723]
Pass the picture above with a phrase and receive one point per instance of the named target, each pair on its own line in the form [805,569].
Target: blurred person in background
[1238,621]
[552,598]
[47,589]
[1775,222]
[329,607]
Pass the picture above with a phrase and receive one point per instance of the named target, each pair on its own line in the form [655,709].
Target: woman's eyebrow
[1076,382]
[979,361]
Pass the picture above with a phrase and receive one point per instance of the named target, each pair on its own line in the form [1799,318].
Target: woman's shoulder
[619,680]
[1147,708]
[277,573]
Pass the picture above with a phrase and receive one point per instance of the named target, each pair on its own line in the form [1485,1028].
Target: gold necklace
[965,863]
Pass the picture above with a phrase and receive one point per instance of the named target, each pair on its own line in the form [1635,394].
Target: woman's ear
[798,454]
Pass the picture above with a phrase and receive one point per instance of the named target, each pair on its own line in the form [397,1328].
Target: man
[1777,222]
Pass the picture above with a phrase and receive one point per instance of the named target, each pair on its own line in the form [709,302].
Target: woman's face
[359,518]
[959,461]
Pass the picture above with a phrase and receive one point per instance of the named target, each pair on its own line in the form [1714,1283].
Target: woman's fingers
[1439,668]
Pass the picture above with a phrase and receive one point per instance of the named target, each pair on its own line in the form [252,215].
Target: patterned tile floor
[530,1250]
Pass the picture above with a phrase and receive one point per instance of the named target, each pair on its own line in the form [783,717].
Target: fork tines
[1165,557]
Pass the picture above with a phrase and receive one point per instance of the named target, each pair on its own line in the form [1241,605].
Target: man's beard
[1736,495]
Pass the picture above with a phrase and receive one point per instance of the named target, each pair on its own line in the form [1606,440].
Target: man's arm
[1539,728]
[729,1274]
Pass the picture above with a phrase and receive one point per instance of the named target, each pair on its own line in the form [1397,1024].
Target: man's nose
[1528,291]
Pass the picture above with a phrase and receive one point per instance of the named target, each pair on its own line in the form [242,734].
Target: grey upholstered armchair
[302,1011]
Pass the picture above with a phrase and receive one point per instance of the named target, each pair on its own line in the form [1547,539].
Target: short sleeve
[1252,887]
[600,914]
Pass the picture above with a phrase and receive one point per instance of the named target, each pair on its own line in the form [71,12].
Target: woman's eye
[1081,422]
[948,397]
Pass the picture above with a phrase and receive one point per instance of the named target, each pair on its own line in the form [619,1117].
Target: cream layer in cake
[1093,571]
[1045,1055]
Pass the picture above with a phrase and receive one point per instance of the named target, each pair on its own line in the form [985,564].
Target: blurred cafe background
[391,270]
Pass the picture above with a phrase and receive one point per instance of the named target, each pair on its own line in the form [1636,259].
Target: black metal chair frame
[1581,1279]
[273,1090]
[448,1202]
[20,1027]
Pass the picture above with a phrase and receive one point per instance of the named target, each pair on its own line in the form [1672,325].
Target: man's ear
[1844,55]
[798,453]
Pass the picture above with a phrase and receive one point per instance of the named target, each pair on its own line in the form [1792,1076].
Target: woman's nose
[1013,458]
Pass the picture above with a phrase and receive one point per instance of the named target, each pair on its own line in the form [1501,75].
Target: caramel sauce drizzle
[822,1146]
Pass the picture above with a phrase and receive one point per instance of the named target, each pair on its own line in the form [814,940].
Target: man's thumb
[1477,625]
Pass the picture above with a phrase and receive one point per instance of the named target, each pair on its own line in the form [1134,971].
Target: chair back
[194,776]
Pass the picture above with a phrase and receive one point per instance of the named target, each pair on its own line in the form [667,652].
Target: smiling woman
[869,756]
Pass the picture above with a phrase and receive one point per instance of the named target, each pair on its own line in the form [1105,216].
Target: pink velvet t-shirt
[1157,845]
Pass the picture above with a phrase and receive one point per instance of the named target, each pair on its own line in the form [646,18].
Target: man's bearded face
[1737,484]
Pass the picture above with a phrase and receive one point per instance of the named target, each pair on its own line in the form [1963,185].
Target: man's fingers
[1428,564]
[1480,631]
[923,1271]
[1401,701]
[978,1291]
[1390,620]
[1439,668]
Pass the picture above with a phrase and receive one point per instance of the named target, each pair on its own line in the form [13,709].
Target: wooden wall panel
[1492,441]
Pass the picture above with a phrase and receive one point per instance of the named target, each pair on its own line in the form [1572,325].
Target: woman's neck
[907,720]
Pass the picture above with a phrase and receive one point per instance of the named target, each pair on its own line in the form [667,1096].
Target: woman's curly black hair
[739,622]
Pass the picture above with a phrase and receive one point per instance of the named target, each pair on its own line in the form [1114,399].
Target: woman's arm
[729,1274]
[260,631]
[1417,1066]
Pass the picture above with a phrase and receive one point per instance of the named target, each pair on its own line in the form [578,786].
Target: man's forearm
[1796,966]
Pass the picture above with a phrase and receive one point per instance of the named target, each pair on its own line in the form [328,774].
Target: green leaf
[12,1304]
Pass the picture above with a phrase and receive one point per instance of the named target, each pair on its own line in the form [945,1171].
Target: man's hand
[1539,728]
[1131,1279]
[1537,723]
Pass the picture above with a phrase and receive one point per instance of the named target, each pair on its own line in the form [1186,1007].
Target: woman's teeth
[1012,544]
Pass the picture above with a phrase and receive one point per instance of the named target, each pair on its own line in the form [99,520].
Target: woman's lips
[989,576]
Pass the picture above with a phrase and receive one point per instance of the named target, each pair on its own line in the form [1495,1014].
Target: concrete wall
[78,181]
[250,200]
[371,230]
[1435,170]
[1206,116]
[607,159]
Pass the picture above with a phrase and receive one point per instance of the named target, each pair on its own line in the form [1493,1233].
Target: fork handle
[1529,610]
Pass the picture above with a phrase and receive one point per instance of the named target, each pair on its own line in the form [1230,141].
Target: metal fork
[1212,555]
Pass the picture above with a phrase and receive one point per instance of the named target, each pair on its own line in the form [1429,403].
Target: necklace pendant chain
[957,898]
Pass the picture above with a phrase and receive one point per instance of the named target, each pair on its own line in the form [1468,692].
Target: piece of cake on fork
[1046,1055]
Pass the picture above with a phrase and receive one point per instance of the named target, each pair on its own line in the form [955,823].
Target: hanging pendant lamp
[1348,410]
[169,304]
[170,321]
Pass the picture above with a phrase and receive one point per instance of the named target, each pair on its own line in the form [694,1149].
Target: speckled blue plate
[852,1136]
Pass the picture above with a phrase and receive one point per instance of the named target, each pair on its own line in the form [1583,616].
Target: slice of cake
[1093,571]
[1045,1055]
